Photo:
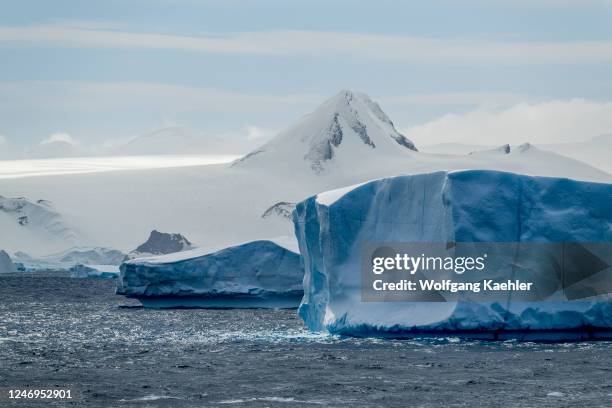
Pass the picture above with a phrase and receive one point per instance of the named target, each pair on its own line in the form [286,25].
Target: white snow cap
[344,128]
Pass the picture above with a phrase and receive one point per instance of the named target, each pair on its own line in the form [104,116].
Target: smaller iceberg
[94,271]
[64,261]
[256,274]
[6,264]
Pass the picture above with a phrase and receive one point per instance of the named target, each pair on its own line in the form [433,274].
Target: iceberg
[471,206]
[255,274]
[6,264]
[65,260]
[82,271]
[88,255]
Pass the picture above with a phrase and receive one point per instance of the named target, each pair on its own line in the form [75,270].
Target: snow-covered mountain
[335,137]
[27,224]
[453,148]
[179,140]
[224,205]
[596,151]
[54,149]
[161,243]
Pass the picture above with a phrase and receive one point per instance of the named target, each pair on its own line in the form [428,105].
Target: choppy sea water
[58,332]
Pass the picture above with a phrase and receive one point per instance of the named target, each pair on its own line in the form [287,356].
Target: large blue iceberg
[256,274]
[446,207]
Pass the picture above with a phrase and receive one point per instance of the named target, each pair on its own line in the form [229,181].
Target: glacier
[256,274]
[444,207]
[67,259]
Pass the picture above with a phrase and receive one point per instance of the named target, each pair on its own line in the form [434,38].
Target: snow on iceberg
[442,207]
[256,274]
[94,271]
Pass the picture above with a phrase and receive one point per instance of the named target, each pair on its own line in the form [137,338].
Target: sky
[474,71]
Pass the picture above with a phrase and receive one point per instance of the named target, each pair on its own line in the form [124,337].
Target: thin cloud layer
[545,122]
[97,96]
[318,43]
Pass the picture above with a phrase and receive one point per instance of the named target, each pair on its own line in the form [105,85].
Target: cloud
[59,137]
[317,43]
[258,133]
[457,98]
[169,99]
[113,96]
[544,122]
[550,3]
[536,3]
[89,24]
[3,139]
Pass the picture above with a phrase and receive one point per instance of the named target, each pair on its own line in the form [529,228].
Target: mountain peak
[348,126]
[160,243]
[346,96]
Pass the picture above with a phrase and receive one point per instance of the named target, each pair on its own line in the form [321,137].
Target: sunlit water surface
[63,332]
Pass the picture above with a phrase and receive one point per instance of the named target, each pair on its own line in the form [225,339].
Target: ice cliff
[6,264]
[263,273]
[443,207]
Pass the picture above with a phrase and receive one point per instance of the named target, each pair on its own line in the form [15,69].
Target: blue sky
[109,70]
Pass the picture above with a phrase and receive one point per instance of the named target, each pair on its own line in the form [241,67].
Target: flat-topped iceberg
[256,274]
[475,206]
[82,271]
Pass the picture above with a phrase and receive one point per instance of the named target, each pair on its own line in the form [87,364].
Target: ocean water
[63,333]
